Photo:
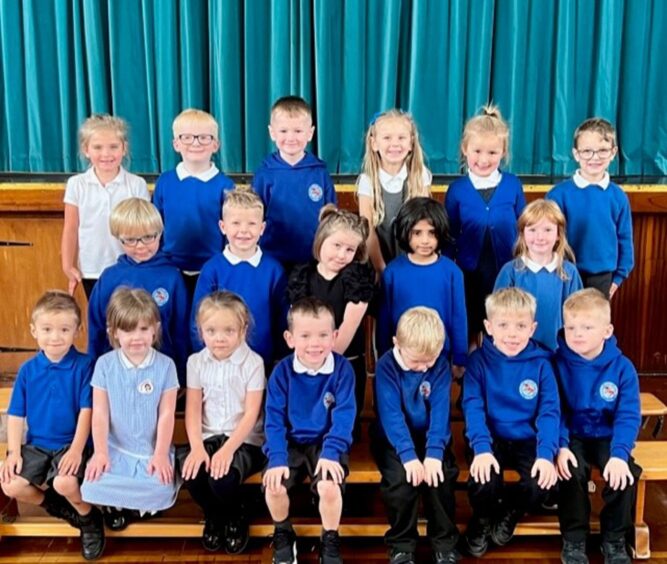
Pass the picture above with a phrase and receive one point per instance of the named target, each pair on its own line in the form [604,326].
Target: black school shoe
[57,506]
[117,519]
[476,538]
[284,546]
[92,534]
[503,529]
[213,537]
[615,552]
[573,553]
[449,557]
[402,558]
[236,535]
[330,548]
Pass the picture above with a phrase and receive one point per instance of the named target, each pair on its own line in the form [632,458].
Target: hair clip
[375,117]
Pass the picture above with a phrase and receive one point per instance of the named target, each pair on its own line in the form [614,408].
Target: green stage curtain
[548,64]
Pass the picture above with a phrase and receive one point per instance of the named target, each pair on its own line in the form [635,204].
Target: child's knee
[66,486]
[275,495]
[15,487]
[328,491]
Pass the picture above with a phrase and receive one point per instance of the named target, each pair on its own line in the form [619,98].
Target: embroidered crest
[328,400]
[160,296]
[528,389]
[315,192]
[425,389]
[608,391]
[145,387]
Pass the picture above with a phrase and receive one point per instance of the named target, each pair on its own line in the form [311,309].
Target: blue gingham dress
[134,397]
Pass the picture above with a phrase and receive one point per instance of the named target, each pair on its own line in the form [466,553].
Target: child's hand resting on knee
[273,478]
[481,466]
[433,474]
[70,462]
[193,462]
[546,471]
[330,468]
[617,474]
[565,455]
[414,472]
[159,464]
[11,468]
[97,465]
[221,461]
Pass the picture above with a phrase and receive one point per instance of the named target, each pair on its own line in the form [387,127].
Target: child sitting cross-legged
[512,413]
[310,410]
[411,442]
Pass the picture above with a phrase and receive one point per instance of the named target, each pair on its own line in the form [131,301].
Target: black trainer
[213,537]
[503,529]
[92,534]
[330,548]
[402,558]
[476,538]
[447,557]
[284,546]
[236,536]
[57,506]
[573,553]
[615,552]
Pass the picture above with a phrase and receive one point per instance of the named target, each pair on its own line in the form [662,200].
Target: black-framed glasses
[203,138]
[134,241]
[588,154]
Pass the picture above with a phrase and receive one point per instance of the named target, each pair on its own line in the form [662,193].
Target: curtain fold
[547,64]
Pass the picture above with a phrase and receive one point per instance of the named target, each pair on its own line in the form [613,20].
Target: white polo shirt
[98,249]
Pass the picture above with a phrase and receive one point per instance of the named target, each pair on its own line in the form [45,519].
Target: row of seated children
[514,419]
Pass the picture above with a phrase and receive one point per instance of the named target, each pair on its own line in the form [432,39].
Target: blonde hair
[414,163]
[127,308]
[597,125]
[535,212]
[192,116]
[421,330]
[588,299]
[135,215]
[332,220]
[102,122]
[56,301]
[488,122]
[222,300]
[513,300]
[292,106]
[242,197]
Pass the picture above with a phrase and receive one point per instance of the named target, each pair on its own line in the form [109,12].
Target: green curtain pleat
[548,64]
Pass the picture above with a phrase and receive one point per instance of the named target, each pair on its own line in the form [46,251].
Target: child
[310,412]
[600,422]
[189,198]
[599,222]
[541,267]
[424,277]
[292,183]
[393,172]
[223,420]
[483,207]
[412,383]
[52,395]
[341,277]
[137,224]
[87,245]
[134,402]
[510,405]
[244,269]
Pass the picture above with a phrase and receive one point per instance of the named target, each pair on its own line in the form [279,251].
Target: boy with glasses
[599,222]
[138,226]
[189,198]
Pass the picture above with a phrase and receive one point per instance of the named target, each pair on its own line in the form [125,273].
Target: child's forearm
[193,421]
[248,421]
[100,421]
[82,432]
[70,240]
[165,423]
[14,434]
[352,319]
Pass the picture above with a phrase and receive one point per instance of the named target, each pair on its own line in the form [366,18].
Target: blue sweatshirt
[600,397]
[512,398]
[307,409]
[164,282]
[293,196]
[413,404]
[470,216]
[191,210]
[550,291]
[263,289]
[439,286]
[599,227]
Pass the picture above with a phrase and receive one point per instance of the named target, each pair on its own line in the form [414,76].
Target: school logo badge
[160,296]
[528,389]
[145,387]
[315,192]
[425,389]
[608,391]
[328,400]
